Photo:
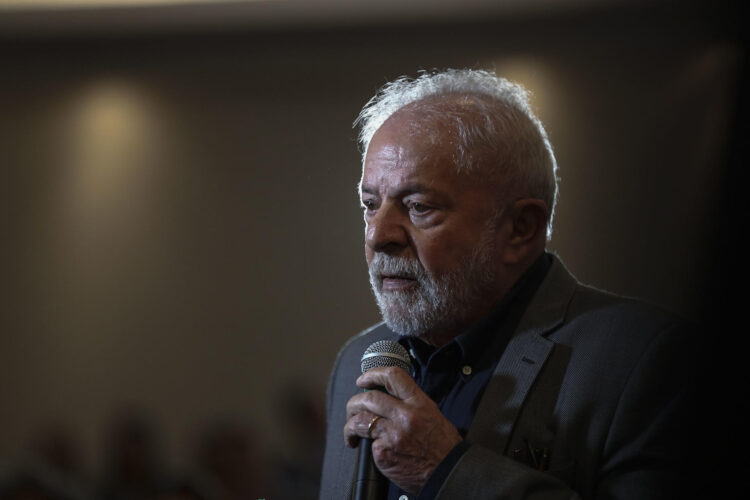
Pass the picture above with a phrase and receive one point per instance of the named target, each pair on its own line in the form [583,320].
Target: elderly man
[525,383]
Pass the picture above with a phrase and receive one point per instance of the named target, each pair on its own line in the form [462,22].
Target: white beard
[435,302]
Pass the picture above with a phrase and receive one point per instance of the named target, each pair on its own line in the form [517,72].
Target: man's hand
[410,438]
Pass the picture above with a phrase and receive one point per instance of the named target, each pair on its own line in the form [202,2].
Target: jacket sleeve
[335,478]
[647,450]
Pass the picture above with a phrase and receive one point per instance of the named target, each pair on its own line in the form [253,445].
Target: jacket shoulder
[613,311]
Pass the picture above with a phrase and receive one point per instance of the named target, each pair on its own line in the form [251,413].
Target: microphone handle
[371,484]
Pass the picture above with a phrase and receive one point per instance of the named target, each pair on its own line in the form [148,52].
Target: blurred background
[182,252]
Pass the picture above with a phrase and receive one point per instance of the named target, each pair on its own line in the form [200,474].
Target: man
[525,383]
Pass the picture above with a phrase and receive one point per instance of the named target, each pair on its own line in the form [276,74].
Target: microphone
[371,484]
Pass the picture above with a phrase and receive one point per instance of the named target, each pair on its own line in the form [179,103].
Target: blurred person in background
[304,419]
[50,470]
[134,467]
[231,462]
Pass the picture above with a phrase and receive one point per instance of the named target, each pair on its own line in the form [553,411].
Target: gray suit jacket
[600,381]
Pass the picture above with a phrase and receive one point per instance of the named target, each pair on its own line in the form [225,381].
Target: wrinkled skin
[411,438]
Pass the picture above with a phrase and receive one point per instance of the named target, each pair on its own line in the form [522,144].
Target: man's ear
[528,234]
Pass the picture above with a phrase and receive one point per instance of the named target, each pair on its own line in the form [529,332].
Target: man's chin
[394,313]
[404,328]
[405,312]
[399,319]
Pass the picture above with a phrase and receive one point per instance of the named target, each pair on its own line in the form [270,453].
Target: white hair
[491,118]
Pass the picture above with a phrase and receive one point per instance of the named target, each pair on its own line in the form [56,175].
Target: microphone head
[386,353]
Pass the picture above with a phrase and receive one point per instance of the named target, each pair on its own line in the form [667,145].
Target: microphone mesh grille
[386,353]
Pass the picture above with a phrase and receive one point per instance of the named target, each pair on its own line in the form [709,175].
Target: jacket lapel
[522,361]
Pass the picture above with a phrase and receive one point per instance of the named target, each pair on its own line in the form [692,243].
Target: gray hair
[506,129]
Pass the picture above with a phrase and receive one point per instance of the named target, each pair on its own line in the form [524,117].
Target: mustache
[387,265]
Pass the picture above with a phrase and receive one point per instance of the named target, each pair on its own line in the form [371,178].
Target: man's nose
[385,231]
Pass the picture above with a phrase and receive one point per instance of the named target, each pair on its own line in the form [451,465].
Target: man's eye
[419,208]
[368,204]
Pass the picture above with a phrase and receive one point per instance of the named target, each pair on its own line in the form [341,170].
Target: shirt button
[466,370]
[403,497]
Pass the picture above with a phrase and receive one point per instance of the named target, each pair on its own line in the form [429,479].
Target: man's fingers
[374,402]
[396,381]
[394,405]
[362,425]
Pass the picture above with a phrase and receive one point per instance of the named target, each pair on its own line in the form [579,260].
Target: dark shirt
[456,375]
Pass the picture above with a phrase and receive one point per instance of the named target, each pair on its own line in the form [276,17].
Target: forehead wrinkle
[391,155]
[403,184]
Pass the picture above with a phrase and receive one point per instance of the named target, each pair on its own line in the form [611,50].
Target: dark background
[181,240]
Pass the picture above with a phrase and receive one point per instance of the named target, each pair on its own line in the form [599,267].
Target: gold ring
[369,426]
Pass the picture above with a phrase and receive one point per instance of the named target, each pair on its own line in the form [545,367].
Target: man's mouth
[393,282]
